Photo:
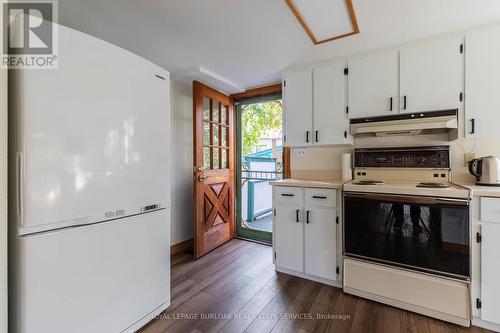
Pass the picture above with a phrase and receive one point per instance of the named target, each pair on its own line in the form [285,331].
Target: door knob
[202,178]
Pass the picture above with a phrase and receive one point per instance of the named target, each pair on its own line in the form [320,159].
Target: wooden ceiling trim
[309,32]
[257,92]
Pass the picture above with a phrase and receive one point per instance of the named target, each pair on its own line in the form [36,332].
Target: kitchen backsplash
[324,160]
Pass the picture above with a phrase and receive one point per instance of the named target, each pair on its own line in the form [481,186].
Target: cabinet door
[373,85]
[482,79]
[329,100]
[288,238]
[432,76]
[298,108]
[320,242]
[490,272]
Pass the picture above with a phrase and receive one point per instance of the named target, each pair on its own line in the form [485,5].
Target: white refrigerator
[89,181]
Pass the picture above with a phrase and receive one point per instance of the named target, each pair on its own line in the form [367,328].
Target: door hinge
[479,238]
[478,303]
[347,109]
[461,97]
[274,212]
[461,48]
[346,71]
[337,220]
[337,270]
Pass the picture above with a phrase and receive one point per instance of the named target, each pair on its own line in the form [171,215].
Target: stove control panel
[436,157]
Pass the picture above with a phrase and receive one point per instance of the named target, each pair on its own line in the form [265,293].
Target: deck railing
[251,178]
[260,175]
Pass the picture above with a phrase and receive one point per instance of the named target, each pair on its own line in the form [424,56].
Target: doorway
[259,161]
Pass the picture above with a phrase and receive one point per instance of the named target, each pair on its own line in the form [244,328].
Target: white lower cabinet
[320,253]
[485,262]
[305,233]
[490,272]
[288,237]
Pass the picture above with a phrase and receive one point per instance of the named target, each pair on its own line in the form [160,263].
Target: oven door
[422,233]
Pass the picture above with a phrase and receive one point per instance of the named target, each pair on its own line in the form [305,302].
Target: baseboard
[186,246]
[485,324]
[332,283]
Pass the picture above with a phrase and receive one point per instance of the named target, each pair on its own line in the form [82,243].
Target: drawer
[321,197]
[490,209]
[288,195]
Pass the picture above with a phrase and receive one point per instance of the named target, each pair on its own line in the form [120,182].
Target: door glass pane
[206,133]
[216,135]
[224,137]
[224,115]
[216,158]
[206,108]
[215,116]
[224,161]
[206,158]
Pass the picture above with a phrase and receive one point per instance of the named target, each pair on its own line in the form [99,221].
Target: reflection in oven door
[421,233]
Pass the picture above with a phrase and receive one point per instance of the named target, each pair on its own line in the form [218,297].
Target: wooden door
[288,238]
[374,85]
[329,96]
[297,116]
[320,249]
[432,76]
[213,168]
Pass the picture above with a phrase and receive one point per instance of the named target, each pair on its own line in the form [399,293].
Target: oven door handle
[408,199]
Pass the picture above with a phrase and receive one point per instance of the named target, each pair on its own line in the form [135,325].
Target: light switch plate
[469,157]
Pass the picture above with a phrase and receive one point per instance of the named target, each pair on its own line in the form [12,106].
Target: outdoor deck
[263,223]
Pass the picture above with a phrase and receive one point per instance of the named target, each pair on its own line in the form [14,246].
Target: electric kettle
[486,170]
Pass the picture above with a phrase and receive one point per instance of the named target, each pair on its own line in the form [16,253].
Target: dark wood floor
[237,284]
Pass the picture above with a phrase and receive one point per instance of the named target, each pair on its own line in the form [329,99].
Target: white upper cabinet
[373,85]
[329,100]
[482,82]
[432,76]
[297,93]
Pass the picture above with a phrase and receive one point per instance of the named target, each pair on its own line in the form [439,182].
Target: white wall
[3,194]
[329,158]
[182,163]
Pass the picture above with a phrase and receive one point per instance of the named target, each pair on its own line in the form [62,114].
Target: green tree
[258,120]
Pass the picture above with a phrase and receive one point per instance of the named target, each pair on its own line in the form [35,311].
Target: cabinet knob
[307,216]
[297,215]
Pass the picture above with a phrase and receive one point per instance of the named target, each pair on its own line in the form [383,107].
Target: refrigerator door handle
[19,185]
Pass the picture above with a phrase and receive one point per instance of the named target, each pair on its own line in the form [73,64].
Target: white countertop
[337,184]
[484,191]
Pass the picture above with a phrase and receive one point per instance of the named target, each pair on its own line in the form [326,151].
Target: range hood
[433,122]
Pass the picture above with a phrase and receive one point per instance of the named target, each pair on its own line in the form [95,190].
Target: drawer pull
[287,195]
[319,197]
[307,217]
[297,215]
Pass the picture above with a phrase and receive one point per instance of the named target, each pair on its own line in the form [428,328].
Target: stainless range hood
[434,122]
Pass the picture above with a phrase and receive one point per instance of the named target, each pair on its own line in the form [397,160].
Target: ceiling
[247,43]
